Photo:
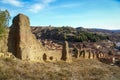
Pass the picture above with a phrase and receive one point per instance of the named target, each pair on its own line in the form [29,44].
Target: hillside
[114,35]
[79,34]
[104,30]
[81,69]
[68,33]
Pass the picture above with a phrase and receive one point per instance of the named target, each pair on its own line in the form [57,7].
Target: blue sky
[76,13]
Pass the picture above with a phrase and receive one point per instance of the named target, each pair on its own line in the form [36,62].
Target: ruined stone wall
[66,56]
[88,53]
[52,55]
[22,43]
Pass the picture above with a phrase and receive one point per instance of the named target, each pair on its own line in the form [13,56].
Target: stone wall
[22,43]
[4,42]
[66,56]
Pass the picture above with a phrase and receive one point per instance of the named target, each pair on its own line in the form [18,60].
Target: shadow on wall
[14,39]
[44,57]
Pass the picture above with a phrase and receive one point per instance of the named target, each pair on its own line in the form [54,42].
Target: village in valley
[106,51]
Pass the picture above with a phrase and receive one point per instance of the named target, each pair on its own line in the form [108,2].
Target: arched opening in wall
[84,53]
[73,53]
[89,54]
[80,54]
[51,57]
[44,57]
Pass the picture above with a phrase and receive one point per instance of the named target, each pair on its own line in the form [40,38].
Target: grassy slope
[78,70]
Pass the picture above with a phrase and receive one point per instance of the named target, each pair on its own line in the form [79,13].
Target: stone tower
[65,53]
[22,43]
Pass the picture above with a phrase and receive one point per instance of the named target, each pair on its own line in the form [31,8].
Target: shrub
[4,19]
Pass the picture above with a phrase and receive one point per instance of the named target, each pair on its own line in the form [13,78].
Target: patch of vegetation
[79,69]
[71,34]
[4,19]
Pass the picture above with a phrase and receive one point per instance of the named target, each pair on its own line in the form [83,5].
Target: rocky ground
[11,69]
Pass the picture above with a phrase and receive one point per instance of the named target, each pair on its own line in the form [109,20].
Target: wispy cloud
[67,6]
[16,3]
[36,7]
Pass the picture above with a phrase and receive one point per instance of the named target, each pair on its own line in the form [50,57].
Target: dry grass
[77,70]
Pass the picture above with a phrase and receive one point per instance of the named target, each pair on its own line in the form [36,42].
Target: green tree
[4,20]
[64,36]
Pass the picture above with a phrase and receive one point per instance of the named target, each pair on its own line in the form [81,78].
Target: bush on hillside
[4,19]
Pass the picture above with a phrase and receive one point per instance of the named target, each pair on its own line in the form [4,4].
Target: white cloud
[68,6]
[16,3]
[40,5]
[36,8]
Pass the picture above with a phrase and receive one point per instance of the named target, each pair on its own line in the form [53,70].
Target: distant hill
[116,31]
[79,34]
[105,30]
